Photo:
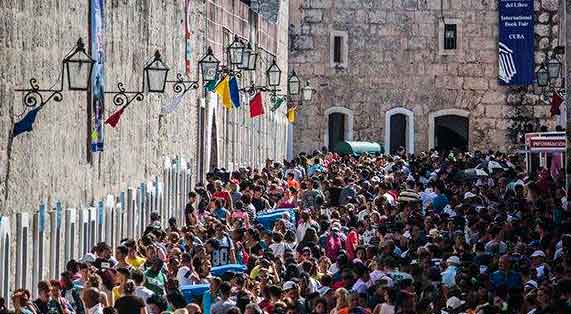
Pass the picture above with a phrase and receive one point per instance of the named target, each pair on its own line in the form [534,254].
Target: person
[219,212]
[123,275]
[186,274]
[155,278]
[388,305]
[342,305]
[222,194]
[57,303]
[72,293]
[133,258]
[224,303]
[41,302]
[157,303]
[91,299]
[221,248]
[140,290]
[129,303]
[22,303]
[259,201]
[189,211]
[121,254]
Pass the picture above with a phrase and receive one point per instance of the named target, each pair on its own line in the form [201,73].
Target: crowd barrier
[36,245]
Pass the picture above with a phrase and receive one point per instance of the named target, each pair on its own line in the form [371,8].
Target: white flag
[172,104]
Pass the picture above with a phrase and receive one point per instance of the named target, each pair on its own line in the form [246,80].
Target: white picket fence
[35,246]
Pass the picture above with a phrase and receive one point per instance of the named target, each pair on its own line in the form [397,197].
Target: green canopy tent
[358,148]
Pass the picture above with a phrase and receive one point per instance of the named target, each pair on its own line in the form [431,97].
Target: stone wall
[394,62]
[52,162]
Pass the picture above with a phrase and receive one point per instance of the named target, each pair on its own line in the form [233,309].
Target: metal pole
[566,70]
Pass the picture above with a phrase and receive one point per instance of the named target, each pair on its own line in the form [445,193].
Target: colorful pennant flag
[113,119]
[556,101]
[223,91]
[234,91]
[27,122]
[256,105]
[210,86]
[171,105]
[291,114]
[277,103]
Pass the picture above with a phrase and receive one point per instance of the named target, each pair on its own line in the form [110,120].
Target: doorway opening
[336,129]
[451,132]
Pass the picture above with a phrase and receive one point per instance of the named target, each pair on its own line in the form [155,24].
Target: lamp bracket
[34,96]
[122,97]
[181,86]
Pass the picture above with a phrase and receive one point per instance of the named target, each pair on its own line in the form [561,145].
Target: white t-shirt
[144,293]
[184,276]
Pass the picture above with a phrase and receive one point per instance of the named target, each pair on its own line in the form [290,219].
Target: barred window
[450,36]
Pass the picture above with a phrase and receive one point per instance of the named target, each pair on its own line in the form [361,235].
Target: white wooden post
[55,241]
[5,255]
[22,247]
[130,214]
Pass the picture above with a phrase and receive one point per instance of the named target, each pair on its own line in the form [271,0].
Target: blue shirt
[510,279]
[439,202]
[220,213]
[449,276]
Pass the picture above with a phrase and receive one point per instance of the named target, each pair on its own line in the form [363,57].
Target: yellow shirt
[135,262]
[116,294]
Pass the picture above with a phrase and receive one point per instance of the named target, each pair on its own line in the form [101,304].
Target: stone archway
[339,125]
[449,128]
[399,126]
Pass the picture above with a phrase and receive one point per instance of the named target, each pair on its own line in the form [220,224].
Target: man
[155,278]
[91,297]
[292,291]
[349,192]
[121,253]
[140,290]
[253,308]
[157,304]
[71,292]
[449,275]
[221,193]
[292,182]
[133,258]
[211,295]
[186,275]
[225,303]
[43,297]
[504,276]
[260,203]
[189,215]
[221,248]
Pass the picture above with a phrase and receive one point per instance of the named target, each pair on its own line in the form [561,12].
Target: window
[450,36]
[337,41]
[339,49]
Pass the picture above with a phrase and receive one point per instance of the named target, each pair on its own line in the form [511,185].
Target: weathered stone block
[303,42]
[318,4]
[492,97]
[542,29]
[377,17]
[313,15]
[471,69]
[475,83]
[543,18]
[550,5]
[449,82]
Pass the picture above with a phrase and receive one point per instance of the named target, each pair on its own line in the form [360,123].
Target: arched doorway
[399,130]
[339,126]
[449,129]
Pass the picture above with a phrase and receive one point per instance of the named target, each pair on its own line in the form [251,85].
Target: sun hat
[538,253]
[455,260]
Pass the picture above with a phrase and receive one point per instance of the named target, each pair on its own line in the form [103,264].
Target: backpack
[332,246]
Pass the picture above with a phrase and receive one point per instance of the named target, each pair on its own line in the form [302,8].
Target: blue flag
[27,122]
[234,92]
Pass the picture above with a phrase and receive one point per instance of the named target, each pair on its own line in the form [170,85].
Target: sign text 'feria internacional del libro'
[516,42]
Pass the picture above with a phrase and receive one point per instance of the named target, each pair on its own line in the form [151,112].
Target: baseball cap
[288,285]
[538,253]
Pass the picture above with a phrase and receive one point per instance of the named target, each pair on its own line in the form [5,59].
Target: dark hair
[124,271]
[159,301]
[123,249]
[43,286]
[137,276]
[129,288]
[219,203]
[225,288]
[176,299]
[109,310]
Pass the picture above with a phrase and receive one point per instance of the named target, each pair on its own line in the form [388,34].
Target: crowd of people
[428,233]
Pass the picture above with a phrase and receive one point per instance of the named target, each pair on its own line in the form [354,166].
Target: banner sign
[187,35]
[516,43]
[97,31]
[547,144]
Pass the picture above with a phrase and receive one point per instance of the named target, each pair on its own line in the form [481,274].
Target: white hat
[324,290]
[531,284]
[468,195]
[88,258]
[538,253]
[453,260]
[289,285]
[454,303]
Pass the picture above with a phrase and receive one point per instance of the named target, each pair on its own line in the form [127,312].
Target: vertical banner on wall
[97,30]
[187,35]
[516,43]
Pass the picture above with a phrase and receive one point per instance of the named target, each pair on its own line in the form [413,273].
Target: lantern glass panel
[307,93]
[245,59]
[253,60]
[274,75]
[78,67]
[542,77]
[293,85]
[554,68]
[156,72]
[236,51]
[209,66]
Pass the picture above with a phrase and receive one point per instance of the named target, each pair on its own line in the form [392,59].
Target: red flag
[256,106]
[556,101]
[113,119]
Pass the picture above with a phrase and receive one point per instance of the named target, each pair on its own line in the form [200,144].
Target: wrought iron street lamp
[209,66]
[77,64]
[236,51]
[554,68]
[542,76]
[307,92]
[245,65]
[253,58]
[274,75]
[156,73]
[293,84]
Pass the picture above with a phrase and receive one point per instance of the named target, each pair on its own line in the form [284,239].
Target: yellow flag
[223,91]
[291,115]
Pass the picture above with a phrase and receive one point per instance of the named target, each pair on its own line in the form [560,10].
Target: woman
[239,218]
[320,306]
[129,303]
[57,303]
[94,281]
[289,199]
[342,306]
[388,306]
[22,303]
[123,275]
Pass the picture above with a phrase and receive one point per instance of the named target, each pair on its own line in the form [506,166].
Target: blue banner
[97,31]
[42,217]
[516,43]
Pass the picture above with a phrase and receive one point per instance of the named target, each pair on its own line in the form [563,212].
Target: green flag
[210,86]
[278,103]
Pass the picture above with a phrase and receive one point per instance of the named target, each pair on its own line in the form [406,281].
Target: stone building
[385,72]
[54,161]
